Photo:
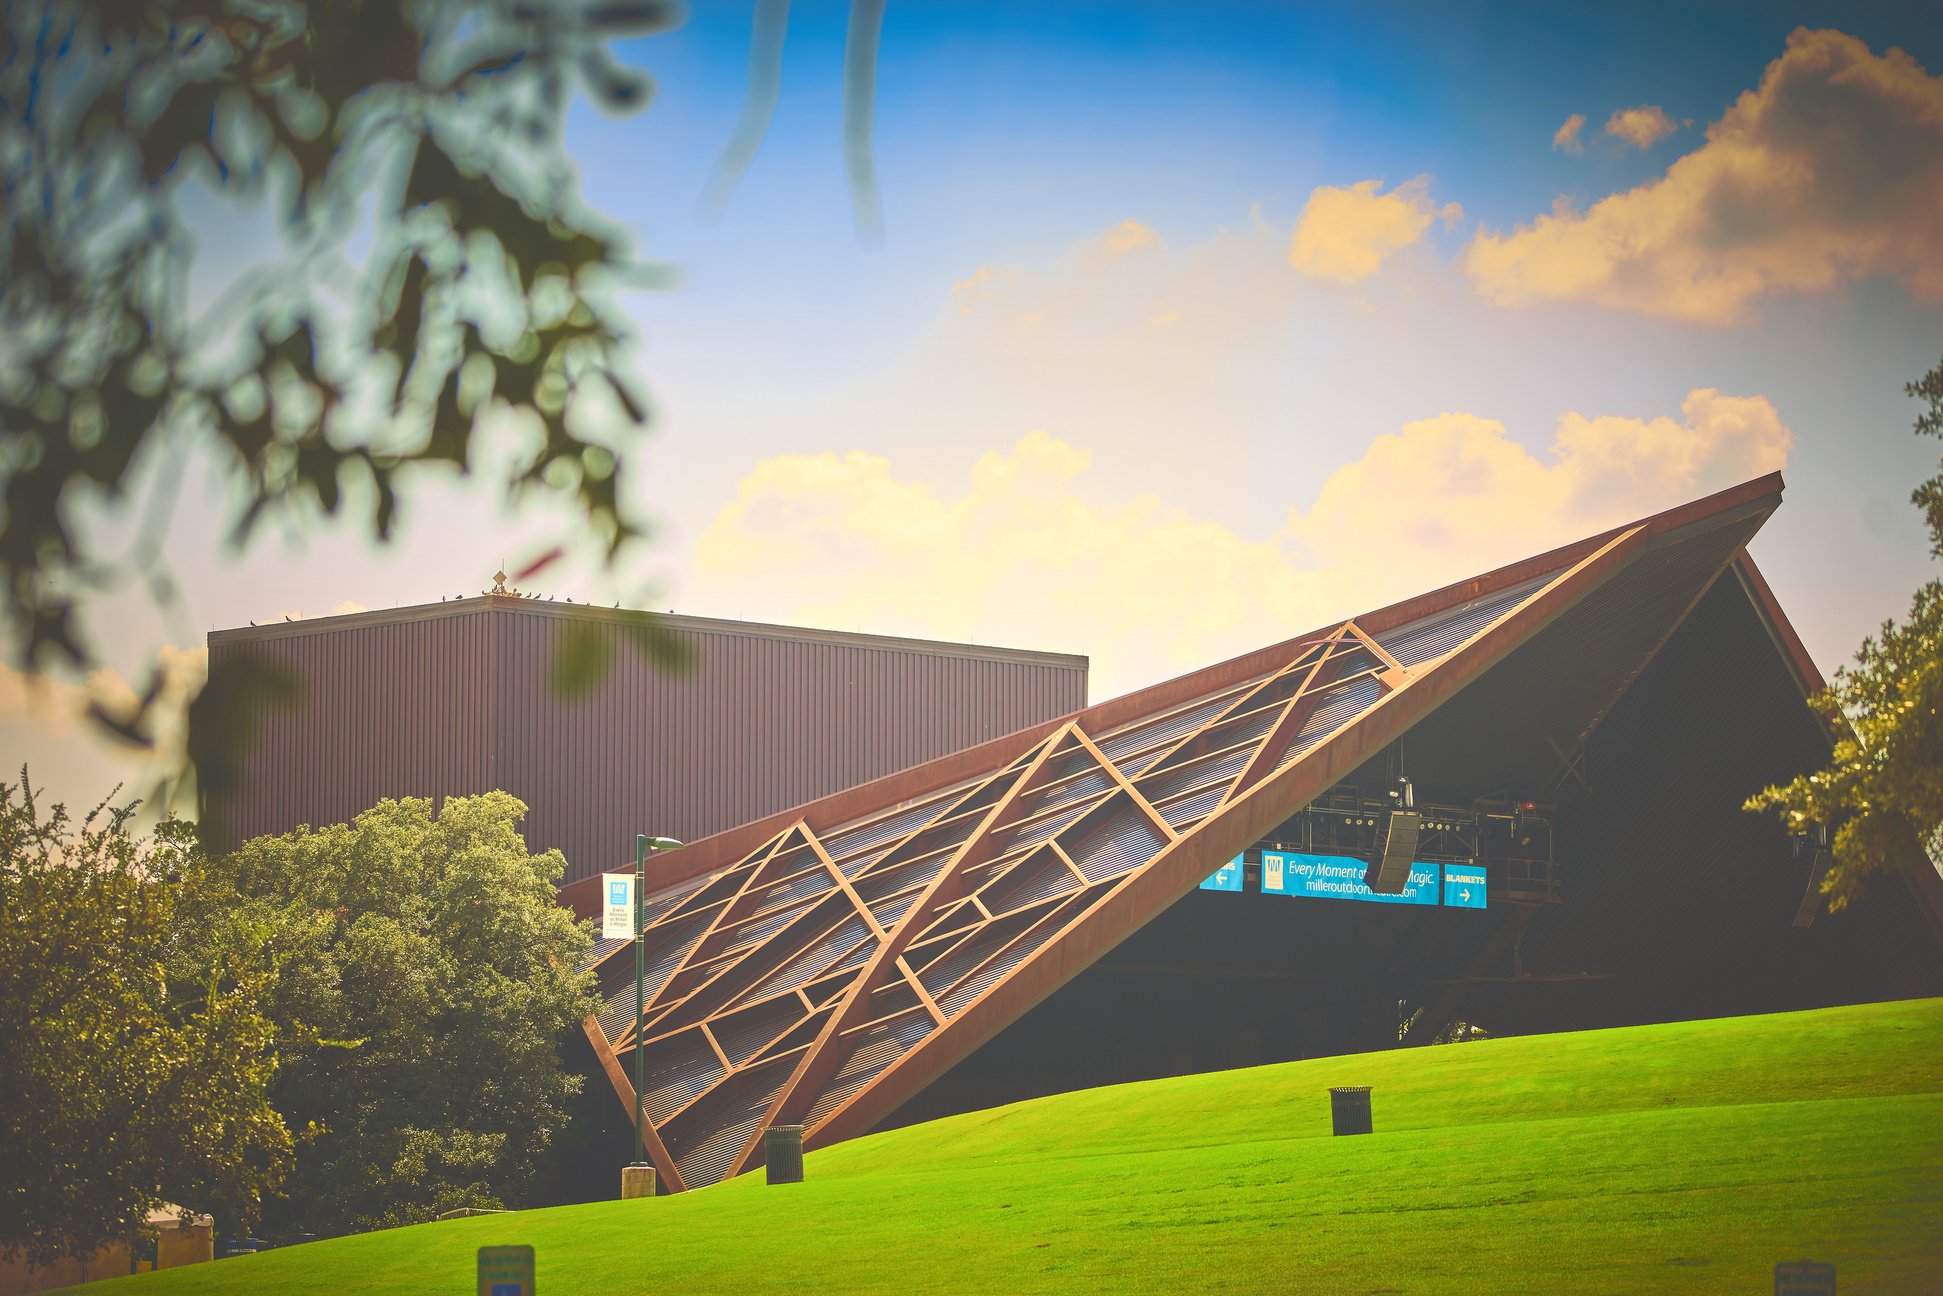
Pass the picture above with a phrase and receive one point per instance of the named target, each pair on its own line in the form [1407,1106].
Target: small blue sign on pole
[1464,886]
[1225,878]
[506,1271]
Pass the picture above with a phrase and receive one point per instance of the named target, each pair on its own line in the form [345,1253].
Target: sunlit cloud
[1567,136]
[53,706]
[973,288]
[1642,126]
[1024,555]
[1345,234]
[1128,236]
[1119,344]
[1829,170]
[57,710]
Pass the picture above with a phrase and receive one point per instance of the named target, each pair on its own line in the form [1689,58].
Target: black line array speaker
[1391,871]
[1811,899]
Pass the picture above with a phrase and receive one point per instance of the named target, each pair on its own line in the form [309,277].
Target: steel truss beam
[829,971]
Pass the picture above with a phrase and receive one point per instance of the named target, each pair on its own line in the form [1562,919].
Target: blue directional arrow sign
[1225,878]
[1463,886]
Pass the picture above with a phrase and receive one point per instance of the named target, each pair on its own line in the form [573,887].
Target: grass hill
[1682,1158]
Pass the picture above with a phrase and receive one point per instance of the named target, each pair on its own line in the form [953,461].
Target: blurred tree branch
[433,267]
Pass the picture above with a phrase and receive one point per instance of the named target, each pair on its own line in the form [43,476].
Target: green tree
[132,1074]
[1882,793]
[426,955]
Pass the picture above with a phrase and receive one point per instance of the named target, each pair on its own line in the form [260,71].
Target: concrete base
[637,1181]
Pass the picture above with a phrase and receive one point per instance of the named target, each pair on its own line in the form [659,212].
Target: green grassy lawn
[1682,1158]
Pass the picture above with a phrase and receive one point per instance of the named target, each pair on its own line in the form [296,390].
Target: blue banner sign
[1225,878]
[1463,886]
[1337,877]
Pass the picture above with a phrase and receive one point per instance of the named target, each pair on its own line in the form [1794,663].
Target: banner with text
[617,908]
[1338,877]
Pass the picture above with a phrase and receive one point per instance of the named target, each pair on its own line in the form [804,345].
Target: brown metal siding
[454,700]
[761,724]
[393,709]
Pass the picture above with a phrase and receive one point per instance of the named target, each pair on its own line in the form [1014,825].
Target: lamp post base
[637,1181]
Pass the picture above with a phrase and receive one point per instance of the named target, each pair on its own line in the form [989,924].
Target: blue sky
[1194,326]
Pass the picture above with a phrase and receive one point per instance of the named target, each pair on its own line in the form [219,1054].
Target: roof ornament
[500,589]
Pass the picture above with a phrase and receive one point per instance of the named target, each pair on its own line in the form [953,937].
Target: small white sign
[617,895]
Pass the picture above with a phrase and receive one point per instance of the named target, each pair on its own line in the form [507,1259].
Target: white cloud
[1642,126]
[1567,136]
[1023,556]
[1830,169]
[1346,234]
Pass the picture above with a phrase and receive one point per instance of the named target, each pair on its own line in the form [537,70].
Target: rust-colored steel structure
[454,698]
[822,967]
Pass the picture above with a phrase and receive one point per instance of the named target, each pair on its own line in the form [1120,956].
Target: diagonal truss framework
[825,975]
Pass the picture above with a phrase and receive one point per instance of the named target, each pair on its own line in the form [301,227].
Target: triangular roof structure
[823,966]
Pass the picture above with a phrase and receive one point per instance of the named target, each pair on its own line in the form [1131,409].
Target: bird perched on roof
[286,616]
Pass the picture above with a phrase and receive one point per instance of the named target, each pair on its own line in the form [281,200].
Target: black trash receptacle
[782,1153]
[1349,1109]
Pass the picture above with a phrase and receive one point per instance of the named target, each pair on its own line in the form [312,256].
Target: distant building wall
[176,1243]
[455,699]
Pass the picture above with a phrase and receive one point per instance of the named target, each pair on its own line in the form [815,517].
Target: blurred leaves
[320,381]
[583,650]
[223,723]
[766,39]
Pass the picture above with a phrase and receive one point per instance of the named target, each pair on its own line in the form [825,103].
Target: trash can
[782,1153]
[1349,1109]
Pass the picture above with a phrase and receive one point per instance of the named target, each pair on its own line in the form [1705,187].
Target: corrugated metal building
[456,698]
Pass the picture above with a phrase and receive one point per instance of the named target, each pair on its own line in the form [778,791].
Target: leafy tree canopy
[436,977]
[1882,794]
[133,1072]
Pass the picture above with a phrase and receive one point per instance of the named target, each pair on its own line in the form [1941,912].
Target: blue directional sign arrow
[1464,886]
[1225,878]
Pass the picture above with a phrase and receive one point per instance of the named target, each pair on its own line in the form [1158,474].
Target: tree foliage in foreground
[431,267]
[1881,795]
[133,1073]
[437,977]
